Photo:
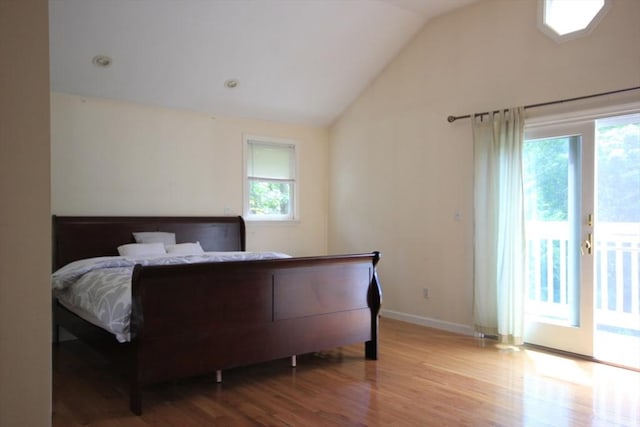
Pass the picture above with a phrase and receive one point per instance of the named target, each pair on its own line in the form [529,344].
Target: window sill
[272,222]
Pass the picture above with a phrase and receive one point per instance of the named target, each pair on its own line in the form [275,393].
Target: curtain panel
[499,242]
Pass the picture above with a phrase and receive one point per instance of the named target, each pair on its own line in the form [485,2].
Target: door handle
[588,243]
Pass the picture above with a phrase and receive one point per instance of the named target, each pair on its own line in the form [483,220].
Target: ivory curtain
[499,241]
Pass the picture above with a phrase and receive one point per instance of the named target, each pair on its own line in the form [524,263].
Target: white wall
[399,172]
[25,221]
[116,158]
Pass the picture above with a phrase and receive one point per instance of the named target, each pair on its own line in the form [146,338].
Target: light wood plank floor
[424,377]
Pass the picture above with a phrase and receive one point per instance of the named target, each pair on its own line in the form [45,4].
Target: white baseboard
[429,322]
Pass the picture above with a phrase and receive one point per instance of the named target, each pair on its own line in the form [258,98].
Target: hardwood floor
[424,377]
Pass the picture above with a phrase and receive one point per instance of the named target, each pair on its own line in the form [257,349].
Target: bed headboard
[77,237]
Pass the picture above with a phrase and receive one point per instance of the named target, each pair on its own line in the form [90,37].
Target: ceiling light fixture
[231,83]
[102,61]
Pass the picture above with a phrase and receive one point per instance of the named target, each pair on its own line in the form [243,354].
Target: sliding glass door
[558,161]
[582,191]
[617,240]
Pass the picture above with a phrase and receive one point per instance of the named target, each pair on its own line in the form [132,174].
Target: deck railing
[616,273]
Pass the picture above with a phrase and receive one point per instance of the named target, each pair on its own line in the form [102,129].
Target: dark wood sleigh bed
[194,319]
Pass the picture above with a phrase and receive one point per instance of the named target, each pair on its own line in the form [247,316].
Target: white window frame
[560,38]
[294,214]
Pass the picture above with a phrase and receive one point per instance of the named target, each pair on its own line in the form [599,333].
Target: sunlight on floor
[618,349]
[615,392]
[560,368]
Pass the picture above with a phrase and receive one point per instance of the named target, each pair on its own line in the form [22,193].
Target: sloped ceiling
[296,61]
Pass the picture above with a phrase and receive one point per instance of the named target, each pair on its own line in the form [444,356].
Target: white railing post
[616,243]
[635,280]
[620,241]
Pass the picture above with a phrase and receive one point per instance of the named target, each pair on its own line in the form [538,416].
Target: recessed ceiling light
[101,61]
[231,83]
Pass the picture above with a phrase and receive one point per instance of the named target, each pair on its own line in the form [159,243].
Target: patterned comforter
[99,289]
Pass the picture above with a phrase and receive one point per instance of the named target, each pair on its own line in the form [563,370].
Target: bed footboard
[201,318]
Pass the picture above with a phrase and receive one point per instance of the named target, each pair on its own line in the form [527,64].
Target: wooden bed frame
[194,319]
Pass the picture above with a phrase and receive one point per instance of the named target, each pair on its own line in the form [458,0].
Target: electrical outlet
[425,293]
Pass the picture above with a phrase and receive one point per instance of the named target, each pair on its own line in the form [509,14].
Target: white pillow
[141,249]
[185,249]
[155,237]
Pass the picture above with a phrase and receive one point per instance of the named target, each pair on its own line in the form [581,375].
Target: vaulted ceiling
[297,61]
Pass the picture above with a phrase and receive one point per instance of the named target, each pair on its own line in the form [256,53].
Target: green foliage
[545,168]
[269,198]
[618,173]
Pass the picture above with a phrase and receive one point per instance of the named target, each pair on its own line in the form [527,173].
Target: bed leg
[135,400]
[371,350]
[294,361]
[218,376]
[374,300]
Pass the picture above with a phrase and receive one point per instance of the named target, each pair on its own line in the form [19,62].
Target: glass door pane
[551,175]
[559,300]
[617,241]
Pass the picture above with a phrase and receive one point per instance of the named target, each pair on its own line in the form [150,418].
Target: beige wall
[116,158]
[399,172]
[25,242]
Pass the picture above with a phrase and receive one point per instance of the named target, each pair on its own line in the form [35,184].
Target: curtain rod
[452,119]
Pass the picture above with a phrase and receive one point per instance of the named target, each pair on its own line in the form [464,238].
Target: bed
[203,317]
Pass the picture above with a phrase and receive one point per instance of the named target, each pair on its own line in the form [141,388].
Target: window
[564,20]
[270,187]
